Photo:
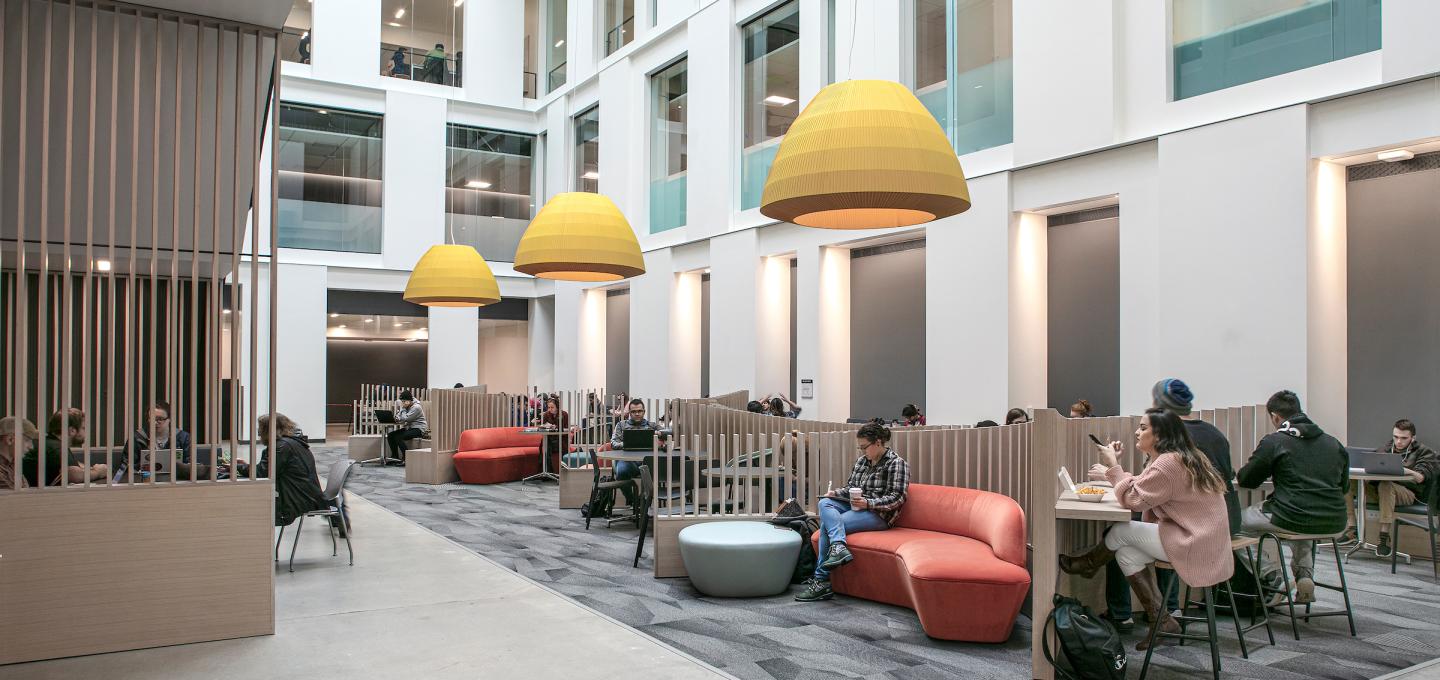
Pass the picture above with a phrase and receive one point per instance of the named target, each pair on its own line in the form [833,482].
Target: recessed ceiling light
[560,42]
[1395,155]
[979,86]
[409,339]
[477,184]
[334,315]
[341,326]
[322,112]
[778,100]
[102,265]
[400,13]
[226,311]
[399,324]
[369,321]
[497,217]
[394,23]
[590,175]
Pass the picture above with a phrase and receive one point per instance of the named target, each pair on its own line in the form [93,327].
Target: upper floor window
[771,84]
[423,40]
[1223,44]
[667,147]
[329,169]
[554,42]
[618,21]
[971,94]
[295,36]
[545,46]
[489,189]
[587,151]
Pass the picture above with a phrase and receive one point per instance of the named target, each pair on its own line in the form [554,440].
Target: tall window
[587,151]
[619,24]
[667,148]
[1223,44]
[295,36]
[976,106]
[554,43]
[772,90]
[423,40]
[329,173]
[489,189]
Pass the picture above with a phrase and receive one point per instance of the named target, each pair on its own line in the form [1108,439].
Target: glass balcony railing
[754,168]
[619,36]
[413,63]
[555,78]
[667,203]
[295,45]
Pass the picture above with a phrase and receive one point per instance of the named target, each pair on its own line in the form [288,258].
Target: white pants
[1136,545]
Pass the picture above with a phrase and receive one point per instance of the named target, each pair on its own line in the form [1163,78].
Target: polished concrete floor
[415,605]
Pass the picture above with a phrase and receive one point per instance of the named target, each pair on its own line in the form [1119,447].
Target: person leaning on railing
[17,435]
[883,478]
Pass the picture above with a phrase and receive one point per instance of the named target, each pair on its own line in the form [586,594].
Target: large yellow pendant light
[452,276]
[579,236]
[864,154]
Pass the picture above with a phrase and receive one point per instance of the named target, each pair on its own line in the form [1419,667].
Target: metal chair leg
[1210,626]
[1285,580]
[1395,550]
[277,543]
[350,548]
[296,544]
[1185,604]
[1344,588]
[1254,558]
[640,545]
[590,507]
[1155,628]
[334,548]
[1235,616]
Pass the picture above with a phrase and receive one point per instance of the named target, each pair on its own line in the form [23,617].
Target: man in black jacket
[1311,471]
[1421,463]
[292,467]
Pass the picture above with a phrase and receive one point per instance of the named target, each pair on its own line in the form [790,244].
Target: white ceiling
[268,13]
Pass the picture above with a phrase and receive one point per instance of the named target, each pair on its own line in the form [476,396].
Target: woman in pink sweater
[1182,501]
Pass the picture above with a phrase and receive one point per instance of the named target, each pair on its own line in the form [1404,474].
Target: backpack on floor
[805,563]
[1091,646]
[602,505]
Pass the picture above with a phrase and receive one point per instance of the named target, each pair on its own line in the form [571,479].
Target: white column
[542,343]
[650,326]
[590,355]
[772,327]
[823,328]
[1327,371]
[414,189]
[734,277]
[966,321]
[300,347]
[685,318]
[345,42]
[494,60]
[1029,310]
[454,347]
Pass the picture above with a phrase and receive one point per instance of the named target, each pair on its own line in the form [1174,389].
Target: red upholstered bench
[955,556]
[496,454]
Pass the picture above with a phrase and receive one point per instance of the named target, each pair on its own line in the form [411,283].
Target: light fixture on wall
[452,276]
[591,174]
[400,13]
[864,154]
[1395,155]
[559,43]
[333,315]
[477,184]
[396,24]
[579,236]
[778,100]
[102,265]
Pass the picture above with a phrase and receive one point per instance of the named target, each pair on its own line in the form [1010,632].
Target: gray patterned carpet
[518,526]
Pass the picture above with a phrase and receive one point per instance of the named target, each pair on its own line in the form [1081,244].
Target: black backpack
[1091,646]
[602,505]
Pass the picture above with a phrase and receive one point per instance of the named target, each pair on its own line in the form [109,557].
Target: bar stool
[1209,619]
[1289,602]
[1258,614]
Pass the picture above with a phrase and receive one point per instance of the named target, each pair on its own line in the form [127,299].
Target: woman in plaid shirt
[882,477]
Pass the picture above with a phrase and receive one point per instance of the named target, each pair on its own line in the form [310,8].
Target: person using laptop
[1420,462]
[69,424]
[156,433]
[17,435]
[634,420]
[409,424]
[1311,471]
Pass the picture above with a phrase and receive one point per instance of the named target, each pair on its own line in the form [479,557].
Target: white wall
[542,343]
[454,349]
[1064,55]
[650,324]
[504,347]
[734,281]
[413,193]
[345,42]
[300,341]
[494,65]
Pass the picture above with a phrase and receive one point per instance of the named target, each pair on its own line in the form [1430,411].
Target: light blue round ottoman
[739,559]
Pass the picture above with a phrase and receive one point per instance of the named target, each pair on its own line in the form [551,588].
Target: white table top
[1107,510]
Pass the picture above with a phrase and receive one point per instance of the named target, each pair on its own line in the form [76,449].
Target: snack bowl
[1094,495]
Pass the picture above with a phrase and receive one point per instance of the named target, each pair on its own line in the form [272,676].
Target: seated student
[292,467]
[1181,498]
[1311,471]
[154,435]
[1016,416]
[780,406]
[1081,409]
[912,416]
[69,424]
[754,407]
[622,406]
[634,420]
[1421,463]
[883,478]
[556,419]
[411,424]
[16,434]
[987,423]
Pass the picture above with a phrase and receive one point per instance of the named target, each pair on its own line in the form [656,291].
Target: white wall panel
[454,350]
[413,195]
[300,347]
[345,41]
[495,52]
[1064,77]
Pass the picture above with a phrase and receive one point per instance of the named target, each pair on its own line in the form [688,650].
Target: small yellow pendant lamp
[864,154]
[579,236]
[452,276]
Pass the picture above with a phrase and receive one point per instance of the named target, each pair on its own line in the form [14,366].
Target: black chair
[596,485]
[1430,508]
[1210,593]
[1258,616]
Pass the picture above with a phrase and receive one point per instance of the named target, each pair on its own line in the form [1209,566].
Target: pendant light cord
[850,58]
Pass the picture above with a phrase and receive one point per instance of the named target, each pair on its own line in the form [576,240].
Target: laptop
[1358,457]
[1377,463]
[385,416]
[637,440]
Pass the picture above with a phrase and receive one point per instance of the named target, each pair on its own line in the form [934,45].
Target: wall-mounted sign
[807,388]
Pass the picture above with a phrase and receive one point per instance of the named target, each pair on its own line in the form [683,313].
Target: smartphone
[1097,441]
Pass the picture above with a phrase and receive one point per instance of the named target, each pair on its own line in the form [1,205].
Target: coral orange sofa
[496,454]
[955,556]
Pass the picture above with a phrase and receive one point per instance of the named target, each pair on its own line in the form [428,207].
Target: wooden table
[1357,475]
[1107,510]
[639,456]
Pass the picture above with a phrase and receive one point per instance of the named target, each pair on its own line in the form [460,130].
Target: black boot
[1086,564]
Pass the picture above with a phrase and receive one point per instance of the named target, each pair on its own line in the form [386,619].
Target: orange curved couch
[496,454]
[955,556]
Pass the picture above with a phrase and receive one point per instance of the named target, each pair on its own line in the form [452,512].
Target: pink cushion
[496,438]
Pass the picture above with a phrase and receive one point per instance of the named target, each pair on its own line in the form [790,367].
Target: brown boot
[1086,564]
[1152,603]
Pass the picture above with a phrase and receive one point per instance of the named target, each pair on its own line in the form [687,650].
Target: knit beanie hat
[1172,394]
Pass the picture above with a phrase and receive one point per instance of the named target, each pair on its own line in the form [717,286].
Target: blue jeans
[837,520]
[625,469]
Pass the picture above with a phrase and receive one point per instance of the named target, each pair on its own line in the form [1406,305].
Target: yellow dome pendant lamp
[864,154]
[579,236]
[452,276]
